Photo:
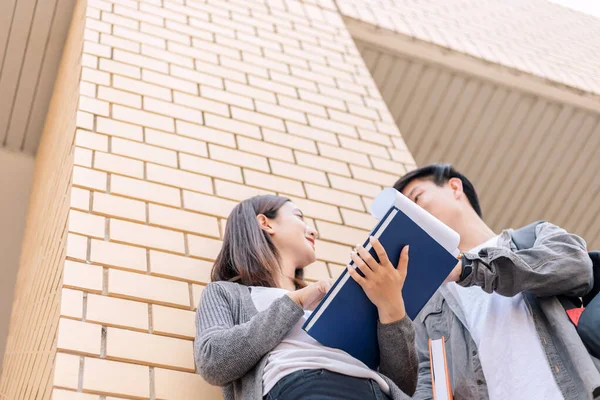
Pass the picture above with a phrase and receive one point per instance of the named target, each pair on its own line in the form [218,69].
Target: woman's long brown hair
[248,255]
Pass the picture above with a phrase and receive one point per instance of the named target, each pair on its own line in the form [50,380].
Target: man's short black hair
[440,174]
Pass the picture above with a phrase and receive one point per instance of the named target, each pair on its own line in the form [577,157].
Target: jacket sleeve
[424,389]
[398,353]
[225,352]
[557,264]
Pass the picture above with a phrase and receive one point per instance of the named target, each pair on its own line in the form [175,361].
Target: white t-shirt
[512,357]
[299,351]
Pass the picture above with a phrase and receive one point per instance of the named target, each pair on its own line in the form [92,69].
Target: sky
[591,7]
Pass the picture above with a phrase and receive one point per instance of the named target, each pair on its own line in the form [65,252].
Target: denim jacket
[557,264]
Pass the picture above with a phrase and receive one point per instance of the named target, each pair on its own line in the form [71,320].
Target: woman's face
[294,239]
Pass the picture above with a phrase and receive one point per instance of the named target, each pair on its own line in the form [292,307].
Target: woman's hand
[309,297]
[382,282]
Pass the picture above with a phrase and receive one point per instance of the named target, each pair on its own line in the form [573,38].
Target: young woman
[249,338]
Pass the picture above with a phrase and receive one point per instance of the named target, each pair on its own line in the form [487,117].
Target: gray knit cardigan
[233,341]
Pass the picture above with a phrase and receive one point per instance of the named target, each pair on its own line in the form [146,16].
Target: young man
[507,335]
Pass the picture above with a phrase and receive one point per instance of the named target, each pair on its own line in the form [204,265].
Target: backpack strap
[524,238]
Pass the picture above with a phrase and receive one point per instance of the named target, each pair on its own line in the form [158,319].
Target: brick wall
[31,344]
[186,108]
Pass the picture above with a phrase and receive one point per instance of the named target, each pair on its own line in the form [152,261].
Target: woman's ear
[456,186]
[265,223]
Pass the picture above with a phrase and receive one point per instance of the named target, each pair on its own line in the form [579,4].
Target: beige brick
[298,173]
[312,133]
[285,58]
[162,12]
[144,152]
[169,81]
[321,99]
[94,106]
[76,246]
[170,57]
[150,288]
[71,303]
[216,48]
[111,377]
[370,175]
[118,20]
[336,269]
[96,49]
[197,294]
[271,182]
[120,43]
[118,255]
[183,220]
[242,65]
[173,110]
[66,371]
[198,77]
[79,337]
[188,30]
[316,271]
[341,234]
[91,23]
[120,97]
[182,386]
[334,197]
[318,210]
[137,15]
[149,349]
[207,134]
[391,167]
[374,137]
[226,97]
[204,247]
[143,118]
[84,120]
[323,164]
[333,252]
[178,267]
[201,103]
[144,235]
[139,37]
[173,322]
[402,155]
[82,157]
[120,165]
[211,205]
[86,224]
[358,219]
[117,312]
[265,149]
[354,186]
[230,43]
[80,199]
[272,64]
[237,192]
[89,61]
[250,91]
[58,394]
[210,167]
[347,156]
[140,61]
[82,276]
[147,89]
[176,142]
[87,89]
[236,157]
[258,118]
[200,57]
[362,147]
[115,206]
[120,68]
[231,125]
[91,140]
[351,119]
[290,141]
[178,178]
[121,129]
[145,190]
[301,105]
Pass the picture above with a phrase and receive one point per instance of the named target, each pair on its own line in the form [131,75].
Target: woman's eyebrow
[412,191]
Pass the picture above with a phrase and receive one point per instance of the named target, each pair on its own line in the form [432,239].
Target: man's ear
[457,187]
[265,223]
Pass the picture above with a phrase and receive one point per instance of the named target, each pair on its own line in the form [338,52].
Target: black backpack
[524,238]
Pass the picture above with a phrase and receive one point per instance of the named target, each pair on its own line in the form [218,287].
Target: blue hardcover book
[346,319]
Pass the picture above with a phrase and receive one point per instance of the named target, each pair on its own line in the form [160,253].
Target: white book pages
[435,228]
[439,370]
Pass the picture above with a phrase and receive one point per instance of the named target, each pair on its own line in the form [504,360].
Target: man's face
[440,201]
